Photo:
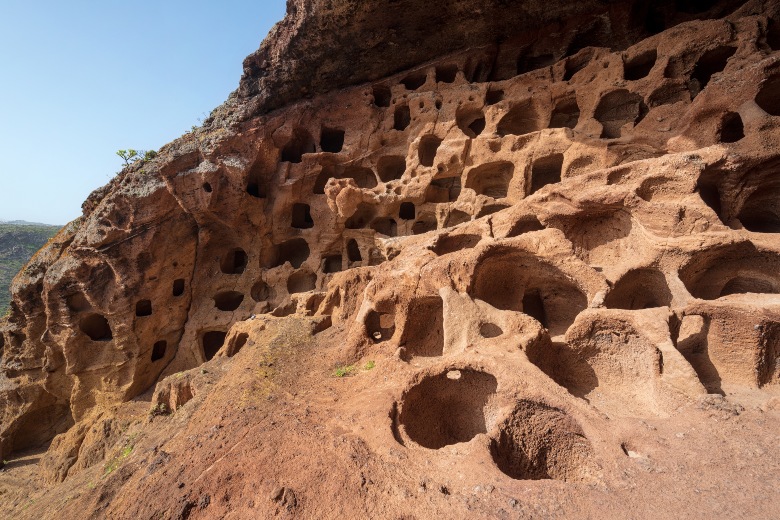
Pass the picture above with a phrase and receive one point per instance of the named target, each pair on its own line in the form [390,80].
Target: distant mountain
[25,223]
[19,240]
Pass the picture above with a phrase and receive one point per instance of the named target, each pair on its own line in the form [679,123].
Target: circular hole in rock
[490,330]
[443,410]
[96,327]
[234,261]
[301,281]
[541,442]
[228,300]
[259,291]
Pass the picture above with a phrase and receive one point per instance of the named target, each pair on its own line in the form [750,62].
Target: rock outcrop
[542,238]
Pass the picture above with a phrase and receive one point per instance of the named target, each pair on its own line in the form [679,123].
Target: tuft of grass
[114,463]
[344,371]
[159,409]
[351,370]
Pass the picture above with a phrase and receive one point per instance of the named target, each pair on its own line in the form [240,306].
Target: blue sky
[82,79]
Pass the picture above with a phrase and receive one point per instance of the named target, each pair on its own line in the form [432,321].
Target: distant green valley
[18,242]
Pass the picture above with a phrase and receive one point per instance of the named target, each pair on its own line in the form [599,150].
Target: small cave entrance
[77,302]
[471,121]
[768,97]
[494,96]
[491,179]
[256,181]
[301,216]
[640,66]
[731,128]
[773,34]
[158,350]
[575,63]
[742,284]
[380,324]
[391,167]
[760,213]
[259,291]
[295,251]
[512,280]
[402,118]
[382,96]
[143,308]
[617,109]
[447,408]
[490,330]
[443,190]
[332,264]
[546,170]
[96,327]
[407,211]
[733,269]
[228,300]
[211,342]
[234,262]
[423,334]
[353,251]
[447,244]
[474,70]
[301,143]
[639,289]
[178,287]
[415,80]
[521,119]
[428,147]
[566,113]
[710,195]
[301,281]
[257,190]
[331,140]
[533,305]
[446,73]
[525,225]
[541,442]
[711,62]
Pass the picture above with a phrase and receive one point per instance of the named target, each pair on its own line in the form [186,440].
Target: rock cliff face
[539,239]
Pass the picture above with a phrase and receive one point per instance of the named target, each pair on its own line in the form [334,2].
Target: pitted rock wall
[612,213]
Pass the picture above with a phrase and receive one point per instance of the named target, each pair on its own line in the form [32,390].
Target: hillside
[19,240]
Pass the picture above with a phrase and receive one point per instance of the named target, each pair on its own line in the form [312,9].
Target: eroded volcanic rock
[432,259]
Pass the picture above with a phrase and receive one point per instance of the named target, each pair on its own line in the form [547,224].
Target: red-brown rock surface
[531,269]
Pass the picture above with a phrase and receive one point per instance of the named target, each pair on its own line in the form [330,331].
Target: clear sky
[82,79]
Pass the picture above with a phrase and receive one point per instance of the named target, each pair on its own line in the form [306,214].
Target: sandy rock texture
[526,265]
